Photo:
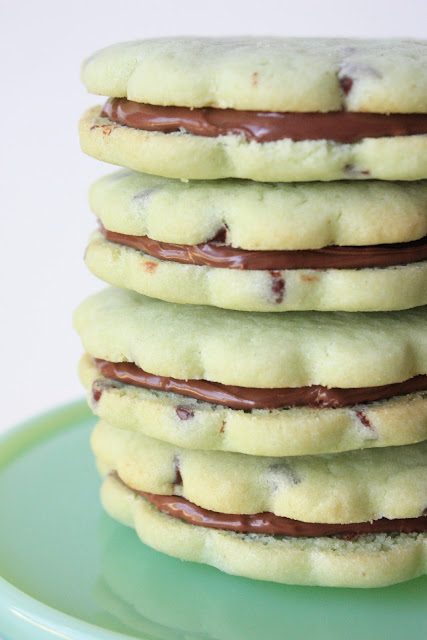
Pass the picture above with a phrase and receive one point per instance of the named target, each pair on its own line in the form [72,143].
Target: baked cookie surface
[253,350]
[369,561]
[261,216]
[316,489]
[268,74]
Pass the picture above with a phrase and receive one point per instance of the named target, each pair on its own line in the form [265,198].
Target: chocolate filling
[248,398]
[216,254]
[270,524]
[264,126]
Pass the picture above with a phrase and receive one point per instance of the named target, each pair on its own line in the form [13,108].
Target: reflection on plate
[68,571]
[168,598]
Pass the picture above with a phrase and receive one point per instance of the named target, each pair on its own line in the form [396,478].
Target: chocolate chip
[254,79]
[346,84]
[355,172]
[178,477]
[96,392]
[184,413]
[363,418]
[277,286]
[99,386]
[149,266]
[221,236]
[106,129]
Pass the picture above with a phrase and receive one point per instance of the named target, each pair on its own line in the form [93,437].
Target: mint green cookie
[265,74]
[356,486]
[186,156]
[368,561]
[261,216]
[278,432]
[261,74]
[371,289]
[254,350]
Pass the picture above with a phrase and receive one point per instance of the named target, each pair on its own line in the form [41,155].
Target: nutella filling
[270,524]
[248,398]
[216,254]
[264,126]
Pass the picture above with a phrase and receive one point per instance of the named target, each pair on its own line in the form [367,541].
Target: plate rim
[23,608]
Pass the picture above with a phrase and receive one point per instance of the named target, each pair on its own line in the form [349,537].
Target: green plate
[68,571]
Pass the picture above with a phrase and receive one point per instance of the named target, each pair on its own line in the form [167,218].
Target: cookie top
[246,349]
[268,74]
[261,216]
[355,486]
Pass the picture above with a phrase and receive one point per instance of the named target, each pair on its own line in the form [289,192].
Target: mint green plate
[68,571]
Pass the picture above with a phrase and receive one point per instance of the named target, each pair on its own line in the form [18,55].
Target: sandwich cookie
[320,490]
[262,544]
[266,385]
[269,109]
[263,247]
[366,561]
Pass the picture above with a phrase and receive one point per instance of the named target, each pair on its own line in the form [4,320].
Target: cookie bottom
[182,155]
[369,561]
[376,289]
[279,432]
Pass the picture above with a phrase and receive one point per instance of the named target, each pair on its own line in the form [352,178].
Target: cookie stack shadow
[259,364]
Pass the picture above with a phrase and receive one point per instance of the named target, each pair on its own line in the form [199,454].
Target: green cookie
[370,289]
[291,74]
[277,432]
[252,75]
[261,216]
[368,561]
[356,486]
[191,157]
[253,350]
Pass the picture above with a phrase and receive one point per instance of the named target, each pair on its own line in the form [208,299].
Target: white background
[44,178]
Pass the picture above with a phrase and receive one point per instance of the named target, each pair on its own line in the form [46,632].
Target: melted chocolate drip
[216,254]
[248,398]
[265,126]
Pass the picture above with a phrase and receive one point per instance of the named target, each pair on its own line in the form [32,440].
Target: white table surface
[45,219]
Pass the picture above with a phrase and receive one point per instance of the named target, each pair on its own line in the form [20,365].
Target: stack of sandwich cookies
[162,378]
[287,447]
